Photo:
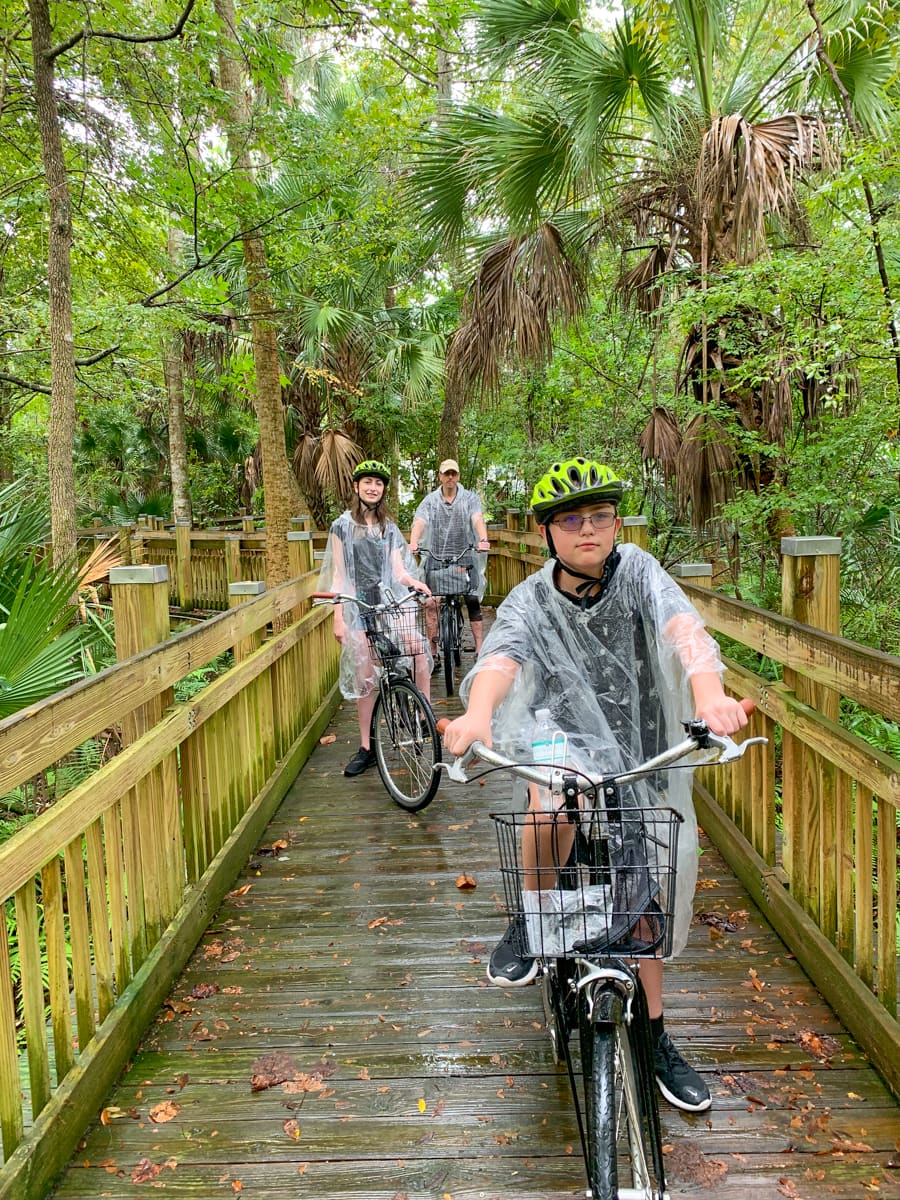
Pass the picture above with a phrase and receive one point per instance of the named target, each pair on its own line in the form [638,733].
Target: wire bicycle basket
[611,894]
[449,580]
[396,633]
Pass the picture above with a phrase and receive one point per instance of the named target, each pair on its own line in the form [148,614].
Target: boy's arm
[702,664]
[489,688]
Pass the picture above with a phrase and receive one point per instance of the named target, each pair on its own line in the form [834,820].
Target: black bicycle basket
[603,885]
[396,633]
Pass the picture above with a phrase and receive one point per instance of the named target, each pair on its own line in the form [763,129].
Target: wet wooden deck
[346,970]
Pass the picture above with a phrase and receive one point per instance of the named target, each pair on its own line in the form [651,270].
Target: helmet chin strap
[591,581]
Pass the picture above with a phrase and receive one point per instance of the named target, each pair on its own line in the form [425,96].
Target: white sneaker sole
[677,1103]
[501,981]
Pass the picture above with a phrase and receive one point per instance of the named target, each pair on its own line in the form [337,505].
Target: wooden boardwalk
[346,971]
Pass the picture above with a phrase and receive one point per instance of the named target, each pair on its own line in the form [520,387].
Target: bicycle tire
[446,632]
[598,1066]
[620,1106]
[407,745]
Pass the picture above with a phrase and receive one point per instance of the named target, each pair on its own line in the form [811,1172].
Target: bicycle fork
[610,996]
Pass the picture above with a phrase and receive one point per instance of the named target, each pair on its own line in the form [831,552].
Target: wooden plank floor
[349,964]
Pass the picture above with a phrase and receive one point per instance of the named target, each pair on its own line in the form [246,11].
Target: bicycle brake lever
[456,770]
[729,749]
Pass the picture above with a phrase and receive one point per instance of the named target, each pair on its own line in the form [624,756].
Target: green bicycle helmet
[573,482]
[371,466]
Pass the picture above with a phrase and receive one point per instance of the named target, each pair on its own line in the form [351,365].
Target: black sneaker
[509,967]
[361,761]
[437,664]
[678,1081]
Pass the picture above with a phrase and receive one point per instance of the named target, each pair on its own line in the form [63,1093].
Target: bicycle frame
[403,730]
[598,990]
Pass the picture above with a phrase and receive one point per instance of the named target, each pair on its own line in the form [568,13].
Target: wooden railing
[113,886]
[809,824]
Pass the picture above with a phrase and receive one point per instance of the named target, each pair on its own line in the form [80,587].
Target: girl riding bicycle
[364,556]
[606,641]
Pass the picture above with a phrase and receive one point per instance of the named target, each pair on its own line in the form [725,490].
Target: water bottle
[548,746]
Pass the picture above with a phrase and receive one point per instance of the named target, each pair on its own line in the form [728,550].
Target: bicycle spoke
[406,745]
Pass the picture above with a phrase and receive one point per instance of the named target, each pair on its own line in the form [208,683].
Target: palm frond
[338,455]
[97,566]
[661,441]
[706,468]
[747,172]
[524,285]
[517,30]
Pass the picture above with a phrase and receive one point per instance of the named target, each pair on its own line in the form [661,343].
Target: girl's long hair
[358,510]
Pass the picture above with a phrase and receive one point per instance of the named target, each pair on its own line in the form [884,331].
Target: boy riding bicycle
[607,641]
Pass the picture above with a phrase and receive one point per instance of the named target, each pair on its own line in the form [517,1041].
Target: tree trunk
[451,419]
[278,483]
[61,432]
[173,373]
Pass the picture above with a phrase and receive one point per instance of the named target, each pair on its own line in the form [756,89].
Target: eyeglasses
[574,522]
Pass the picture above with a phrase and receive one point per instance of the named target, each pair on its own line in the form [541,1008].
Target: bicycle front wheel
[407,745]
[622,1135]
[447,634]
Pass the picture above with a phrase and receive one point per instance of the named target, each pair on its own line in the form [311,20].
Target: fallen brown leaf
[328,739]
[466,883]
[167,1111]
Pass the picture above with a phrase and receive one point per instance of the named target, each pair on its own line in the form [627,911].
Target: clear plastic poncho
[615,679]
[448,533]
[365,561]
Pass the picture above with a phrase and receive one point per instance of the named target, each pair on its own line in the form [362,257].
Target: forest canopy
[243,245]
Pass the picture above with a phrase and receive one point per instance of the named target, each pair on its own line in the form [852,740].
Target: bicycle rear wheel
[406,744]
[623,1139]
[447,631]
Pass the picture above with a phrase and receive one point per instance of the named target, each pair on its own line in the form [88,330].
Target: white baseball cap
[449,464]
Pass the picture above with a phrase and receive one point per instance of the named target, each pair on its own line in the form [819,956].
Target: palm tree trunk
[61,431]
[278,483]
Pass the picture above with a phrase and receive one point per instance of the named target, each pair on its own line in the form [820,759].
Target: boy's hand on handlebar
[722,714]
[461,733]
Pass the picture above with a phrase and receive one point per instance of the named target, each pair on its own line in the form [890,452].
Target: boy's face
[580,543]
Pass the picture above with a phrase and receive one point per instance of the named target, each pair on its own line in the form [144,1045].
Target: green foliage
[40,645]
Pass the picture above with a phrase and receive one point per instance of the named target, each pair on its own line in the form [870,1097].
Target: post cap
[631,521]
[802,547]
[247,587]
[154,573]
[685,570]
[299,535]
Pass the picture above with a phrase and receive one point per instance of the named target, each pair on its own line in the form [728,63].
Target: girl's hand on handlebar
[418,586]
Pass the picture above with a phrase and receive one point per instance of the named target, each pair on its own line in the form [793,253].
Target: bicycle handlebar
[383,606]
[700,737]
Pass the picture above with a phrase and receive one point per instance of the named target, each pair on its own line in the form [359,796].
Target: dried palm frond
[747,172]
[660,441]
[523,286]
[707,467]
[338,455]
[97,566]
[642,285]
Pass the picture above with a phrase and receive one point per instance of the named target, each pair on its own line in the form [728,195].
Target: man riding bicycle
[605,640]
[450,514]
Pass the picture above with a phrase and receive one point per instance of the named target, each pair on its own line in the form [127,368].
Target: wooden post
[697,573]
[300,558]
[232,559]
[810,593]
[302,523]
[513,520]
[150,816]
[184,577]
[248,524]
[635,530]
[126,532]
